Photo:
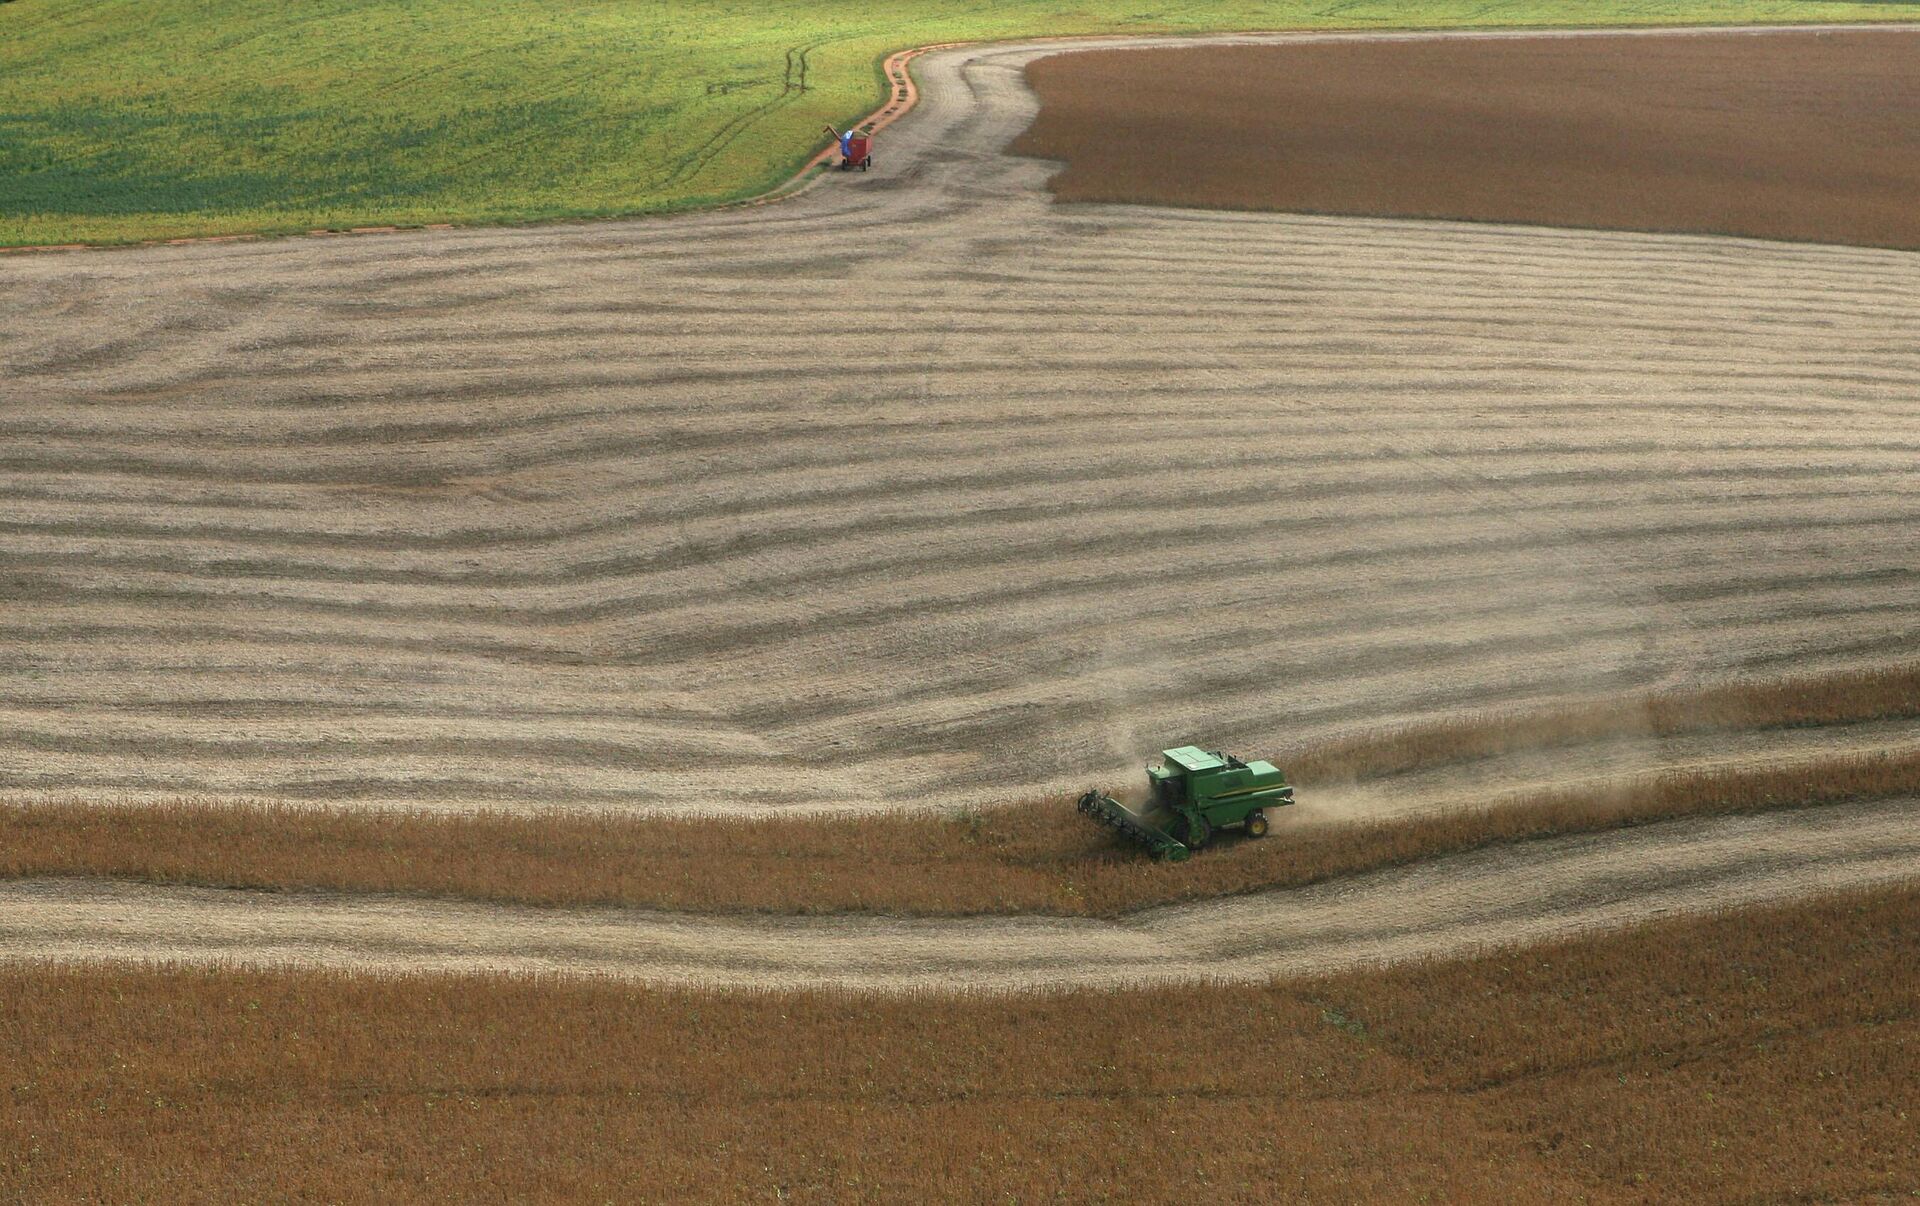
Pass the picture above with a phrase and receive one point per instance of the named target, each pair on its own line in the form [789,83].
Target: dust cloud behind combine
[916,490]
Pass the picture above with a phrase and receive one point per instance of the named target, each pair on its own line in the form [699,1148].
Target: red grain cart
[856,150]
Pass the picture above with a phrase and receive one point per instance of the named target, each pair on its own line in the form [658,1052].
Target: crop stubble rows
[915,493]
[598,522]
[486,551]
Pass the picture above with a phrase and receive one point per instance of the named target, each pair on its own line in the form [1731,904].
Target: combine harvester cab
[1191,795]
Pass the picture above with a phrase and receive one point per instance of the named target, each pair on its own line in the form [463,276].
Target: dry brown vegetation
[1040,858]
[1759,1056]
[1808,136]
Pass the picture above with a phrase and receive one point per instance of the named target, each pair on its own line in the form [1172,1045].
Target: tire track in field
[915,490]
[793,85]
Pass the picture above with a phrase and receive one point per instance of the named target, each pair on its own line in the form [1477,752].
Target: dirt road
[1527,892]
[914,490]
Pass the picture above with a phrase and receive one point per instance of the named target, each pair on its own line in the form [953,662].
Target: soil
[1808,136]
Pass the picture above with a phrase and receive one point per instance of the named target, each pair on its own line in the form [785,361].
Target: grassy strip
[1034,859]
[137,119]
[1766,1055]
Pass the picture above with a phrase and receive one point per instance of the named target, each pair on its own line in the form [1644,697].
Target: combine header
[1190,795]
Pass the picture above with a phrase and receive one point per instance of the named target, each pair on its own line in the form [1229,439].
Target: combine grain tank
[1191,795]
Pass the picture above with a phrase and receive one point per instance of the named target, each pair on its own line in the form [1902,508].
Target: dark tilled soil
[1811,136]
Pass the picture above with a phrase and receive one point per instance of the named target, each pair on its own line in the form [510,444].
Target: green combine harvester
[1191,795]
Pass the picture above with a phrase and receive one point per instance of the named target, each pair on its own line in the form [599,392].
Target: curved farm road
[1525,892]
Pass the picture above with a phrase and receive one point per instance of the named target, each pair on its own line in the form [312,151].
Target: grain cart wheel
[1256,824]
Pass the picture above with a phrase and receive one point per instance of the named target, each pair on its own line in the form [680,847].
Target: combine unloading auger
[1190,795]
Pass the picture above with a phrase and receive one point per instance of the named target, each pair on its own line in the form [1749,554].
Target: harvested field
[1759,1056]
[1807,136]
[550,562]
[600,518]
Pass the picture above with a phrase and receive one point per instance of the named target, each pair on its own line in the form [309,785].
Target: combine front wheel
[1195,832]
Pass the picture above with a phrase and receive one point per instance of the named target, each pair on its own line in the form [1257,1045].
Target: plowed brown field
[1812,136]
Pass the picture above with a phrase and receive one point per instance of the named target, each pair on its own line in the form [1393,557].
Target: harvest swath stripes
[925,495]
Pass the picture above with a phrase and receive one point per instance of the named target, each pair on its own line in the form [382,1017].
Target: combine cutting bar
[1109,811]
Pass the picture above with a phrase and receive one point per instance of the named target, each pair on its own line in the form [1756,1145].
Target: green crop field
[134,119]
